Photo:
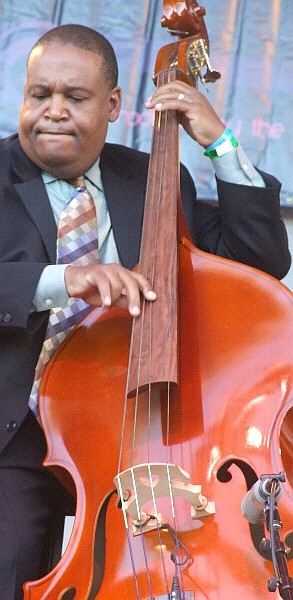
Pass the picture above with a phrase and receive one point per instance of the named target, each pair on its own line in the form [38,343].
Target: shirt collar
[93,175]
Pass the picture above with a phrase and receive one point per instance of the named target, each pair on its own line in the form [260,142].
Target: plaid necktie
[77,243]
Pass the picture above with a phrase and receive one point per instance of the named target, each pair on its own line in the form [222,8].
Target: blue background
[251,45]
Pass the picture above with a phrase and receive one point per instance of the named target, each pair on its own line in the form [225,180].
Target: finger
[101,283]
[164,102]
[174,94]
[145,287]
[134,283]
[117,286]
[130,290]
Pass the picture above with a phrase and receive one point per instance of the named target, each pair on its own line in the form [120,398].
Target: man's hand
[108,285]
[197,116]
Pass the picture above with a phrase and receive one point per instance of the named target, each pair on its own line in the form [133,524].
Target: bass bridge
[144,484]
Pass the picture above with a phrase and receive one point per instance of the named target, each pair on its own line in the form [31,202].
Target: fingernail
[148,101]
[107,301]
[151,295]
[158,106]
[135,311]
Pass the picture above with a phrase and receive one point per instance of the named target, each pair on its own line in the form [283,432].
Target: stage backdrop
[251,45]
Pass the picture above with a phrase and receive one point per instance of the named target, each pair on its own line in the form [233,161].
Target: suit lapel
[32,193]
[124,186]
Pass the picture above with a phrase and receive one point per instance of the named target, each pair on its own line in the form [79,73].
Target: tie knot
[78,182]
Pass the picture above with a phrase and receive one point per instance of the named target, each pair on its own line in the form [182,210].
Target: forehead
[64,62]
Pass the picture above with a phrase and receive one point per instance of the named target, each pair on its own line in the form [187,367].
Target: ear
[115,99]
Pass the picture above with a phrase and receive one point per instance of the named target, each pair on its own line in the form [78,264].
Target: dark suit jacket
[246,226]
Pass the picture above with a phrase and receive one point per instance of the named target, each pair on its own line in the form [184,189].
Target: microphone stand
[282,580]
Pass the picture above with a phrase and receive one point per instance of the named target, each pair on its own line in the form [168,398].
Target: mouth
[54,132]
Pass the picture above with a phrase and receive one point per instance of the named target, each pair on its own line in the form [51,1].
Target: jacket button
[7,318]
[11,426]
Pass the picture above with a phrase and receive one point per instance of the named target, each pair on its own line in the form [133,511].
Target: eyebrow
[71,88]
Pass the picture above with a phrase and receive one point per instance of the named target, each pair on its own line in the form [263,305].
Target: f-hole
[257,532]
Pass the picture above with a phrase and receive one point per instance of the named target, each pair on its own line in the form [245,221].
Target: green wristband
[223,148]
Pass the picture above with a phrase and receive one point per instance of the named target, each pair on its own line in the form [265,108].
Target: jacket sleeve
[245,225]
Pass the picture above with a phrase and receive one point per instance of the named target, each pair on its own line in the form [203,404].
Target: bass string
[154,210]
[154,207]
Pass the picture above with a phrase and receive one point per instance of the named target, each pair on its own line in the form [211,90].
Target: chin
[55,160]
[56,146]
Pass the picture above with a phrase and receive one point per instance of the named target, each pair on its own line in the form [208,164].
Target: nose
[56,110]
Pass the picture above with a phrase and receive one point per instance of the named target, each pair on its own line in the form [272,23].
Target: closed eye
[40,96]
[76,98]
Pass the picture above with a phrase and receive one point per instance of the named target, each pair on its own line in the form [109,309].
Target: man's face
[66,109]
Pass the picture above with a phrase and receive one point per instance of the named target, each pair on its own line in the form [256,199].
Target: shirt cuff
[235,167]
[51,291]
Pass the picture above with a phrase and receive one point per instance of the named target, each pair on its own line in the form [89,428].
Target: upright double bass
[163,422]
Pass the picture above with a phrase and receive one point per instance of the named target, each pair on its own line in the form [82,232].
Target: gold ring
[181,96]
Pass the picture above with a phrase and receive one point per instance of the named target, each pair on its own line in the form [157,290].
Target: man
[71,95]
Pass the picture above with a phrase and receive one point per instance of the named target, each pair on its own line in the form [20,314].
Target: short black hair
[87,39]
